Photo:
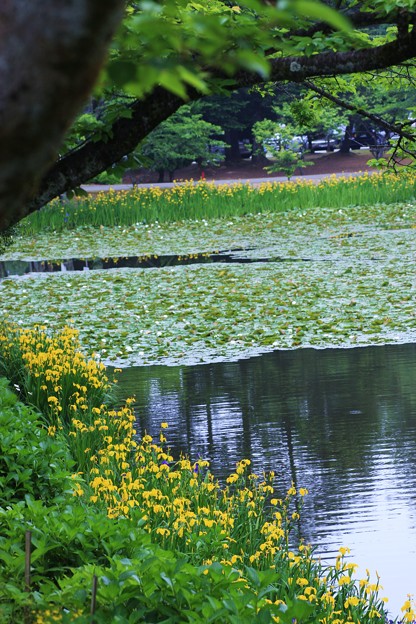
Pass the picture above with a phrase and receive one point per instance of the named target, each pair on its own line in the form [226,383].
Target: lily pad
[346,281]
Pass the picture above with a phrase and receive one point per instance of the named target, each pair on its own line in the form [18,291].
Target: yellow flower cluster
[409,610]
[69,388]
[190,190]
[181,501]
[51,615]
[207,200]
[56,373]
[178,502]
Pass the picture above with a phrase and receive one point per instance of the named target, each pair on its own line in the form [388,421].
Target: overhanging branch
[379,121]
[91,159]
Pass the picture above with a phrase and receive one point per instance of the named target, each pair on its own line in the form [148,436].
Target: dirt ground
[323,163]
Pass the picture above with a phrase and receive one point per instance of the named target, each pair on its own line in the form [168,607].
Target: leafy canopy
[179,44]
[165,52]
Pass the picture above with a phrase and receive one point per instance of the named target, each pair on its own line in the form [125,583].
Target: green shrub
[137,580]
[31,462]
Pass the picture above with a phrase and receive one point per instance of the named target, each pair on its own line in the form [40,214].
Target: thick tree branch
[96,156]
[358,19]
[342,63]
[93,158]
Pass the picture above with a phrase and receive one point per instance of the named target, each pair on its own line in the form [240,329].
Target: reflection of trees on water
[323,419]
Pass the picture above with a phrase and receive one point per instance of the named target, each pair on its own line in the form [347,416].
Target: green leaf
[193,79]
[122,72]
[173,83]
[322,12]
[167,579]
[253,576]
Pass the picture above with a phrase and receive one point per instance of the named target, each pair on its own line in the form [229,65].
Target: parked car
[393,138]
[366,139]
[328,143]
[296,144]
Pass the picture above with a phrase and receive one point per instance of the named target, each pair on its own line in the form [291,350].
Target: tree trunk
[232,153]
[258,157]
[345,147]
[50,55]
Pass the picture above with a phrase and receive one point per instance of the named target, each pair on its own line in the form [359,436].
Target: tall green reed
[208,201]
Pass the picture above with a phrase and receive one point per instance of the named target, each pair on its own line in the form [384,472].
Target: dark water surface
[340,422]
[22,267]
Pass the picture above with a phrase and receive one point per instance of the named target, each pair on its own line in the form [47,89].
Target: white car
[296,144]
[324,143]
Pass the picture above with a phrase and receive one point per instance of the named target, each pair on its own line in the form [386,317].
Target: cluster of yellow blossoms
[178,501]
[207,200]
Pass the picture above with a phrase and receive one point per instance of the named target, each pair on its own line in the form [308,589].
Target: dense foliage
[183,138]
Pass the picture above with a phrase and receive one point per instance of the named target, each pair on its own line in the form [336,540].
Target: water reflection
[340,422]
[22,267]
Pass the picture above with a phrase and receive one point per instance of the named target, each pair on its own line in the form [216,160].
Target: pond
[10,268]
[340,422]
[191,304]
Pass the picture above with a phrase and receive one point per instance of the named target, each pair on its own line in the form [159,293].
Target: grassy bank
[166,542]
[210,201]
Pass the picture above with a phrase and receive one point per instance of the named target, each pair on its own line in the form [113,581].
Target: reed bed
[206,200]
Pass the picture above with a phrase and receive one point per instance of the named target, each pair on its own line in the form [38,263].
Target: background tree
[282,146]
[230,111]
[180,140]
[238,111]
[377,103]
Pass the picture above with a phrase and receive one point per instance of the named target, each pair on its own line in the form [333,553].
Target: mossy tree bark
[50,54]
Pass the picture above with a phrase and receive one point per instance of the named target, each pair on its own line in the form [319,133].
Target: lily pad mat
[285,232]
[356,288]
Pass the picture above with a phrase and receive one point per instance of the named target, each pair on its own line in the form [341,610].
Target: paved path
[97,188]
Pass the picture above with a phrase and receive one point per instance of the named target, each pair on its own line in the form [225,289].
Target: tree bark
[94,157]
[50,54]
[232,152]
[346,141]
